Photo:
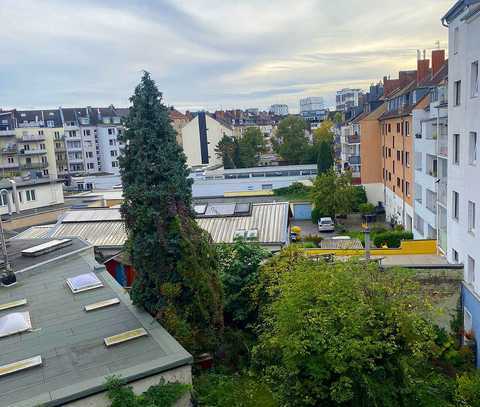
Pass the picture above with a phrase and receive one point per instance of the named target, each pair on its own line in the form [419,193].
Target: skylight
[125,336]
[102,304]
[20,365]
[14,323]
[46,247]
[84,282]
[13,304]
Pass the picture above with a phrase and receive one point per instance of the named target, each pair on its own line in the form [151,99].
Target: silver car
[326,225]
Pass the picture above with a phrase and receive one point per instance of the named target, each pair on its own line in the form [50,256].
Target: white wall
[105,147]
[375,193]
[45,195]
[394,207]
[464,178]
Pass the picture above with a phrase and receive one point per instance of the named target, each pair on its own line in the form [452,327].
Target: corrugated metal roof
[35,232]
[341,244]
[92,215]
[98,233]
[100,227]
[270,219]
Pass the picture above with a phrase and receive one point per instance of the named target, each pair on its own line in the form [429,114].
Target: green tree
[346,334]
[227,150]
[239,271]
[290,140]
[251,146]
[325,157]
[333,193]
[177,278]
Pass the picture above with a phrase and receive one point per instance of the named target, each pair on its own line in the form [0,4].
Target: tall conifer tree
[176,266]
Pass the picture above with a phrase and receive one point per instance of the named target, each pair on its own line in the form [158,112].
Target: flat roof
[70,341]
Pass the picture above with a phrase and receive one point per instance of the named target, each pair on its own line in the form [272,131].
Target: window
[10,160]
[3,200]
[113,153]
[389,128]
[393,165]
[456,149]
[457,92]
[456,40]
[40,132]
[407,129]
[407,188]
[30,193]
[20,196]
[470,270]
[389,152]
[114,164]
[111,131]
[455,205]
[14,323]
[45,172]
[398,155]
[89,154]
[86,132]
[418,224]
[474,79]
[398,127]
[398,182]
[407,158]
[111,142]
[472,148]
[90,166]
[389,176]
[72,133]
[455,255]
[471,216]
[42,146]
[57,135]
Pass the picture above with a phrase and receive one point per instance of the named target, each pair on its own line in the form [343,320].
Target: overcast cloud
[207,54]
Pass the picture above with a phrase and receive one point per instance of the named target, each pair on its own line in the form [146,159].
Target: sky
[206,54]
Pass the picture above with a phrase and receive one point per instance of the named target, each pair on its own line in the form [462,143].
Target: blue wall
[472,303]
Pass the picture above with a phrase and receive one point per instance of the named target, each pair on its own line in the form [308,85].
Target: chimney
[438,59]
[423,69]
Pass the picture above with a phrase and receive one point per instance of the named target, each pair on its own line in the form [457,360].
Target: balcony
[34,166]
[443,144]
[7,133]
[34,151]
[32,137]
[353,139]
[442,192]
[7,166]
[431,203]
[9,150]
[354,159]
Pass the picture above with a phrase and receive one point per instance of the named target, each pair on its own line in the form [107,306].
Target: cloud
[205,53]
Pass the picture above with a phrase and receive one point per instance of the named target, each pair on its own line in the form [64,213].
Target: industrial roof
[270,219]
[34,232]
[101,227]
[70,341]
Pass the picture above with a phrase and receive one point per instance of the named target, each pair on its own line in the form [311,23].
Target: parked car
[326,225]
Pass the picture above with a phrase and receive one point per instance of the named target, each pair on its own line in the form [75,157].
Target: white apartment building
[350,148]
[279,109]
[430,149]
[347,98]
[311,104]
[201,136]
[463,21]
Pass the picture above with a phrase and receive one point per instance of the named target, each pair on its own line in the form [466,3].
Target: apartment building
[370,151]
[350,149]
[463,21]
[200,138]
[279,110]
[430,126]
[348,98]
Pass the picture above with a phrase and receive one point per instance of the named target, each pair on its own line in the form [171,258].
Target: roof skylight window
[20,365]
[102,304]
[15,323]
[13,304]
[125,336]
[84,282]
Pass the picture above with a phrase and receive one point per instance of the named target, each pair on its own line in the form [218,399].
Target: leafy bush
[468,390]
[163,394]
[366,208]
[360,197]
[391,239]
[295,191]
[219,390]
[309,245]
[312,238]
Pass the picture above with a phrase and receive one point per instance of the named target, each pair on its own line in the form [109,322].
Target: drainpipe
[16,201]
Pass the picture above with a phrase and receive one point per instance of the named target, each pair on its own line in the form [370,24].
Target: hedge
[392,239]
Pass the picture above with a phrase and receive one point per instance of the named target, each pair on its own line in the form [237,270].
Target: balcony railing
[34,166]
[354,159]
[33,151]
[442,192]
[33,137]
[5,166]
[443,144]
[353,139]
[7,133]
[9,150]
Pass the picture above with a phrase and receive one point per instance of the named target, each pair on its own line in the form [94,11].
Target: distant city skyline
[204,54]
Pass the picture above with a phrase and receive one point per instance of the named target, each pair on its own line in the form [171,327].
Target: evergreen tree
[177,278]
[227,150]
[325,157]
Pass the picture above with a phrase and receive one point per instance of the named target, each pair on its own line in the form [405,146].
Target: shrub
[366,208]
[391,239]
[312,238]
[316,215]
[309,245]
[297,189]
[360,197]
[468,390]
[162,394]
